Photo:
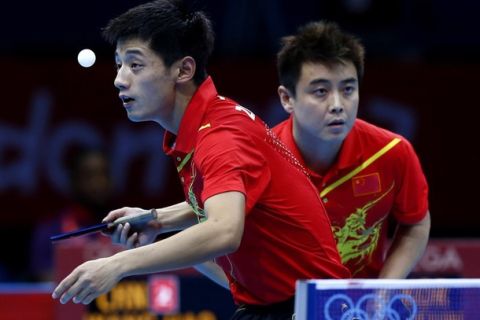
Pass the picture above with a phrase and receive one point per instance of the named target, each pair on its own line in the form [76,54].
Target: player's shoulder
[226,119]
[378,137]
[225,111]
[223,107]
[368,131]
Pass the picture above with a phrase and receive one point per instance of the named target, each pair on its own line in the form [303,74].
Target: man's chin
[135,118]
[338,136]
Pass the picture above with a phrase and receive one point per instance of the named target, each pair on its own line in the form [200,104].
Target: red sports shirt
[360,200]
[223,147]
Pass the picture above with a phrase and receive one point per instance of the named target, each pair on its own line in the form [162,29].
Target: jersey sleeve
[230,161]
[411,201]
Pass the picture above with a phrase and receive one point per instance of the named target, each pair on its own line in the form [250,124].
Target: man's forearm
[407,248]
[221,234]
[176,217]
[184,249]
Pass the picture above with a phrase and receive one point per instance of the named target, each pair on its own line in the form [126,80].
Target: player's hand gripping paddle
[133,220]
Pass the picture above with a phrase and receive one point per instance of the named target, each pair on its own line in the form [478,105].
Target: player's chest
[365,198]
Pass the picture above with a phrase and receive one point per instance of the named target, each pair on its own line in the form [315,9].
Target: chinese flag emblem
[365,185]
[164,294]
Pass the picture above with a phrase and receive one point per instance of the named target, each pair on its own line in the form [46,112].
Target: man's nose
[336,103]
[120,81]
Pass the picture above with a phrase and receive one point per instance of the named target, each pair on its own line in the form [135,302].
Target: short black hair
[170,29]
[321,42]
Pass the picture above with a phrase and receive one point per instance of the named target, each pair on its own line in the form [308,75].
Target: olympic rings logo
[370,306]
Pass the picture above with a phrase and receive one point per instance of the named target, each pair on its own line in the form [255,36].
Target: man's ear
[286,98]
[186,69]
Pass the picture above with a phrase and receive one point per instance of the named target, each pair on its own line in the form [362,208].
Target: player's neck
[319,155]
[183,95]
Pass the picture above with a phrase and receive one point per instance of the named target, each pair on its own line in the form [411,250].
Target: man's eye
[320,92]
[349,90]
[135,66]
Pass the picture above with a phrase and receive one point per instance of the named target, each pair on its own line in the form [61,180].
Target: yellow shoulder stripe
[365,164]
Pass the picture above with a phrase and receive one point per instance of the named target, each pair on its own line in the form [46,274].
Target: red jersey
[377,174]
[223,147]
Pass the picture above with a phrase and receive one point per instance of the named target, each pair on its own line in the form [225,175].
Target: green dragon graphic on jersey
[354,240]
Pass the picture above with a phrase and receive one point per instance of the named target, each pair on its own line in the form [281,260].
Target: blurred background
[421,81]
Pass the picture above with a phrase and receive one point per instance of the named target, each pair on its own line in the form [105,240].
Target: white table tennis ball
[86,58]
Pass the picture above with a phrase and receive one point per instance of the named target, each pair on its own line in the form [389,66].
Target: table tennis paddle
[133,220]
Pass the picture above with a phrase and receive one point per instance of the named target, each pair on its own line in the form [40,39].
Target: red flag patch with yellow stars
[367,184]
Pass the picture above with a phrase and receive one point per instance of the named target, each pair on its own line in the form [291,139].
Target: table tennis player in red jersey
[365,175]
[249,204]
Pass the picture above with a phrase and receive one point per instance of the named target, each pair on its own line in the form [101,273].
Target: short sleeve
[229,160]
[411,201]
